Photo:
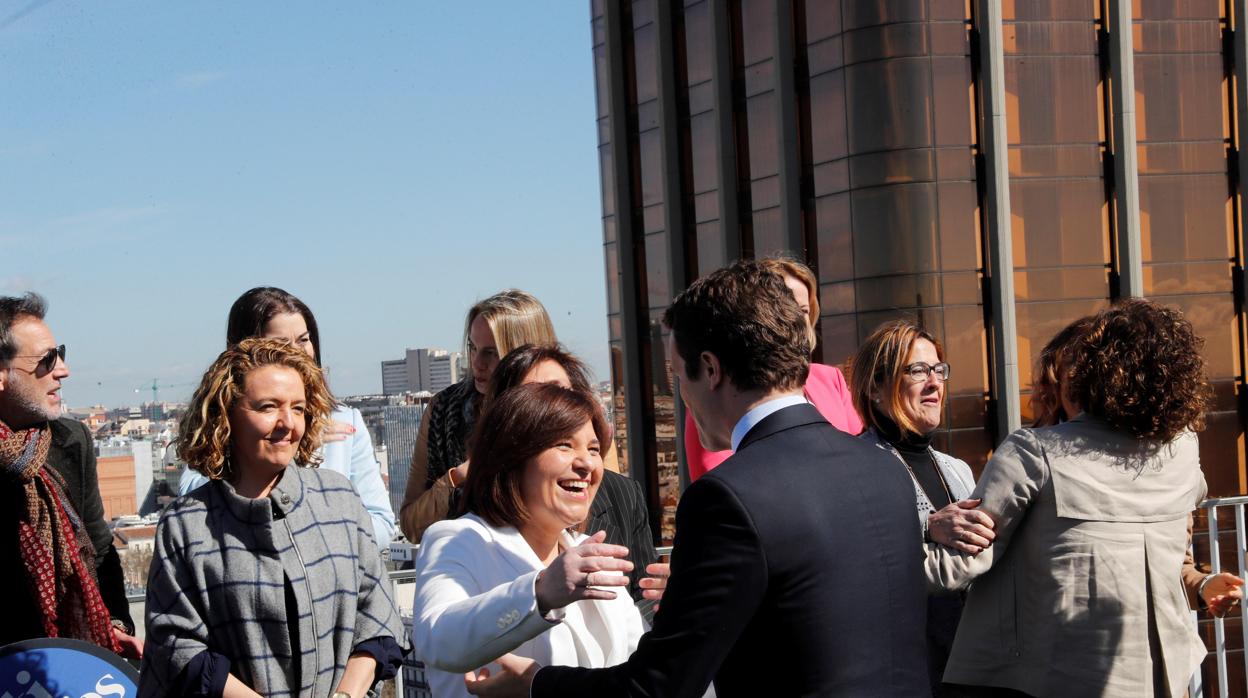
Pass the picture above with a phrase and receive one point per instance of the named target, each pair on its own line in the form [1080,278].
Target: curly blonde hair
[204,432]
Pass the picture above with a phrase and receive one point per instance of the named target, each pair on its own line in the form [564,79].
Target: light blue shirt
[352,457]
[760,412]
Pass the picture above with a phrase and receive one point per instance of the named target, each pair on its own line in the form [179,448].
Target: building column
[994,150]
[628,238]
[787,129]
[1126,169]
[676,216]
[729,209]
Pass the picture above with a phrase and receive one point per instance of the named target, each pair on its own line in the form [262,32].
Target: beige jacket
[1080,594]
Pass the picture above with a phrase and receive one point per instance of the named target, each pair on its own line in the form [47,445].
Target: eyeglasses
[47,361]
[918,371]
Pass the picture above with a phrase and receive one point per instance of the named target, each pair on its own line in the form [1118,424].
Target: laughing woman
[513,574]
[266,581]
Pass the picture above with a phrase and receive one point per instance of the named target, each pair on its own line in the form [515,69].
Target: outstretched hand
[962,527]
[1222,592]
[654,584]
[577,571]
[515,678]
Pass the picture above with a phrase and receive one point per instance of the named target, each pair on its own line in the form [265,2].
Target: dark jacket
[73,456]
[796,572]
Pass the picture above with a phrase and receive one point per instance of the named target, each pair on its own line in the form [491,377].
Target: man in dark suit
[796,569]
[32,367]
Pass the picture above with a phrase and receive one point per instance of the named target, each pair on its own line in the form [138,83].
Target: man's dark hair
[12,309]
[252,311]
[747,317]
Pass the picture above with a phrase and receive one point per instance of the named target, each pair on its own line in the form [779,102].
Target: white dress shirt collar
[760,412]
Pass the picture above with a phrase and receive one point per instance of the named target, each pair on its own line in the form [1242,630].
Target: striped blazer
[224,566]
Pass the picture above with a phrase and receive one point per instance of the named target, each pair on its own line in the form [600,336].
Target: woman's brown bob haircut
[747,318]
[522,422]
[204,432]
[1139,368]
[1046,396]
[876,370]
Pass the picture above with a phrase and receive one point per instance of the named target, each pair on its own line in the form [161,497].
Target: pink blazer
[825,387]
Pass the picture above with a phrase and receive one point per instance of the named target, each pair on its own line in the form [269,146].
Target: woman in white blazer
[513,574]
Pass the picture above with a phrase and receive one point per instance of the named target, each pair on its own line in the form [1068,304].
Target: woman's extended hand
[574,574]
[338,431]
[962,527]
[1221,592]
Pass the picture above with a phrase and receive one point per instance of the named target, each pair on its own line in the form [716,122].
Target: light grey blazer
[1091,531]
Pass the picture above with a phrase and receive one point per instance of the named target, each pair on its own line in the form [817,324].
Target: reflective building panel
[850,134]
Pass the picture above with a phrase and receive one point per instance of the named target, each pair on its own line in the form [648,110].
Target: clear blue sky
[388,162]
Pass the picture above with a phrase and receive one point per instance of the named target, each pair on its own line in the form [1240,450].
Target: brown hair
[1139,368]
[1046,398]
[204,432]
[785,266]
[515,318]
[251,312]
[877,368]
[522,422]
[745,316]
[517,364]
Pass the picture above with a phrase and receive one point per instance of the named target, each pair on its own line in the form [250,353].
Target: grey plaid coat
[219,575]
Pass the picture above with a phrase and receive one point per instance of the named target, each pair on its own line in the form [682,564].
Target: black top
[916,451]
[796,572]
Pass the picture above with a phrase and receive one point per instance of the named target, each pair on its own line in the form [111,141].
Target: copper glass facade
[850,133]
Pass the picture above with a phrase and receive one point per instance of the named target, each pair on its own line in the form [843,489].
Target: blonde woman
[266,581]
[494,327]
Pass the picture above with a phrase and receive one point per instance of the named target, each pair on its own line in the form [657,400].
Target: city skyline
[163,160]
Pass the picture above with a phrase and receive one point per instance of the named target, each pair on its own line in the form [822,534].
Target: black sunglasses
[47,361]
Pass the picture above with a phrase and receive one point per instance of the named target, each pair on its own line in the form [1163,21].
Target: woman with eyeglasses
[898,379]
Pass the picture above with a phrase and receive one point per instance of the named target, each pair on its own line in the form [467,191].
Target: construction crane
[156,386]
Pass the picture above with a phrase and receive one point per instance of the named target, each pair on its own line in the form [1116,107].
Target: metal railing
[1211,506]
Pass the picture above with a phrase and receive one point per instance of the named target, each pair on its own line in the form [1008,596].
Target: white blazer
[475,601]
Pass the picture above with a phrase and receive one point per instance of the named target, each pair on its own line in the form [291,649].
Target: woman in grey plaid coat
[265,581]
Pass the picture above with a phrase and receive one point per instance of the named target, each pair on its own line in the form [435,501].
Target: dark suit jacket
[796,572]
[72,454]
[619,508]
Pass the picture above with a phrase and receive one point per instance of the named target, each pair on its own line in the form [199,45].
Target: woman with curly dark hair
[1080,592]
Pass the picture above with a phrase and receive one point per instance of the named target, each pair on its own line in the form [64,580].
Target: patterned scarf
[55,547]
[451,416]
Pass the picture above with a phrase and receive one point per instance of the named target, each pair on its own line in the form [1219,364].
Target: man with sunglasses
[63,577]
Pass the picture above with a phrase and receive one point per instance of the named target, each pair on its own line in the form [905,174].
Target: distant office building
[394,377]
[124,471]
[383,460]
[860,137]
[421,370]
[402,424]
